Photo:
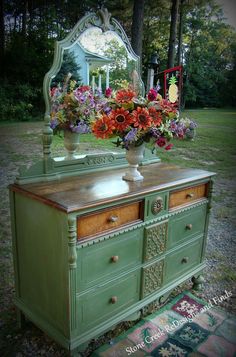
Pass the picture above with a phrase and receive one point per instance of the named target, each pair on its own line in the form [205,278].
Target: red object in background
[164,78]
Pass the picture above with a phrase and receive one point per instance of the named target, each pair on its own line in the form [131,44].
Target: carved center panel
[155,240]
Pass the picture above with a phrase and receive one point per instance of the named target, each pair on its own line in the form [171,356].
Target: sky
[229,7]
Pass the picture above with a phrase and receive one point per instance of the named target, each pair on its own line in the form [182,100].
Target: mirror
[98,53]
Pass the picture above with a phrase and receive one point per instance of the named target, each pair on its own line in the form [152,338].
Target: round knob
[113,219]
[185,260]
[189,226]
[157,205]
[114,299]
[114,258]
[190,195]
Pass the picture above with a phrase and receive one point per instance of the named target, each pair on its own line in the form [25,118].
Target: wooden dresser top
[89,190]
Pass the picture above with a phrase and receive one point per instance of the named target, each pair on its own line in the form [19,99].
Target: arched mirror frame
[103,20]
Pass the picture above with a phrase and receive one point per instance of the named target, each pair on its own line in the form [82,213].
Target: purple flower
[53,123]
[80,128]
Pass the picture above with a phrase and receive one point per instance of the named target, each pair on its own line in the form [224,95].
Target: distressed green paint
[186,225]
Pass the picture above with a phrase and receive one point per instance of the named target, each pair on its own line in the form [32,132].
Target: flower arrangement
[137,120]
[73,107]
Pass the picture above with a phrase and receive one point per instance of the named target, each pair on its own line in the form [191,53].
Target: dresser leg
[198,282]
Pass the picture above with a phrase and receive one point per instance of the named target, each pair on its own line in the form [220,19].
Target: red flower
[125,96]
[155,115]
[167,106]
[103,127]
[84,88]
[121,118]
[108,92]
[152,95]
[161,142]
[141,118]
[168,147]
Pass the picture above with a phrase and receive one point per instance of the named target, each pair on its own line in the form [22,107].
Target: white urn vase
[71,143]
[134,155]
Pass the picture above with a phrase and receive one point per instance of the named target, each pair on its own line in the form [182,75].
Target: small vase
[134,156]
[190,133]
[71,143]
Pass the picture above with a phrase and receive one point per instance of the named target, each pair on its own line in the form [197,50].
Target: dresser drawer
[106,259]
[106,220]
[183,260]
[107,300]
[184,226]
[187,196]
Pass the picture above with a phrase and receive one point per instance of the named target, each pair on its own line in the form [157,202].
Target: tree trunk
[180,34]
[173,32]
[137,27]
[2,39]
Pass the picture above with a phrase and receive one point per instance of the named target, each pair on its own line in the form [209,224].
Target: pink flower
[108,92]
[168,147]
[161,142]
[152,95]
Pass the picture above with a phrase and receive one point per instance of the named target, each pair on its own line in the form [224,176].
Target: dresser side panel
[42,254]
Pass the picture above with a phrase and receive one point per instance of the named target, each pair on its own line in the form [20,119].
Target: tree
[137,27]
[173,33]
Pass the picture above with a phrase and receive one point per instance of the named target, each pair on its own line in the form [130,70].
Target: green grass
[214,147]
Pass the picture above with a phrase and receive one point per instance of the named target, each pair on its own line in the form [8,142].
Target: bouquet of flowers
[73,107]
[137,120]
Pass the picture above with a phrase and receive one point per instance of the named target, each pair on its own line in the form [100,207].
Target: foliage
[17,102]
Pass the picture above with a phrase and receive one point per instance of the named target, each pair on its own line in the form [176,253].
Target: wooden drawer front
[156,205]
[183,260]
[108,219]
[102,303]
[155,240]
[152,278]
[99,261]
[187,195]
[186,225]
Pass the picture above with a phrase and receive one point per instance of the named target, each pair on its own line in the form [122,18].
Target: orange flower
[141,118]
[155,115]
[121,118]
[103,127]
[125,96]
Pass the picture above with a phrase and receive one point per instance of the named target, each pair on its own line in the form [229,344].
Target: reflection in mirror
[96,53]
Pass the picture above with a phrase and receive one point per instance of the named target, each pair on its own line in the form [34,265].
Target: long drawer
[106,220]
[105,301]
[182,260]
[184,226]
[101,261]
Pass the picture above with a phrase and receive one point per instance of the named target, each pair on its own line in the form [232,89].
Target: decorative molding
[99,160]
[72,237]
[139,225]
[105,16]
[152,278]
[155,240]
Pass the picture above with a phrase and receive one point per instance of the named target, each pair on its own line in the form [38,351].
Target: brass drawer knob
[114,258]
[189,226]
[114,299]
[113,219]
[190,195]
[185,260]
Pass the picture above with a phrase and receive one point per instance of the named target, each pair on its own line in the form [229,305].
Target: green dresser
[93,250]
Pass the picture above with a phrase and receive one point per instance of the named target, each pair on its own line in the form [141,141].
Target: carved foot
[198,282]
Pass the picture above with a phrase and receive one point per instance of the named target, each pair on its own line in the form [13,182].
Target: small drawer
[187,196]
[98,262]
[97,223]
[184,226]
[183,260]
[107,300]
[156,205]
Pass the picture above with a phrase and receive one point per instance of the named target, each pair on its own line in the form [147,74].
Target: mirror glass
[99,59]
